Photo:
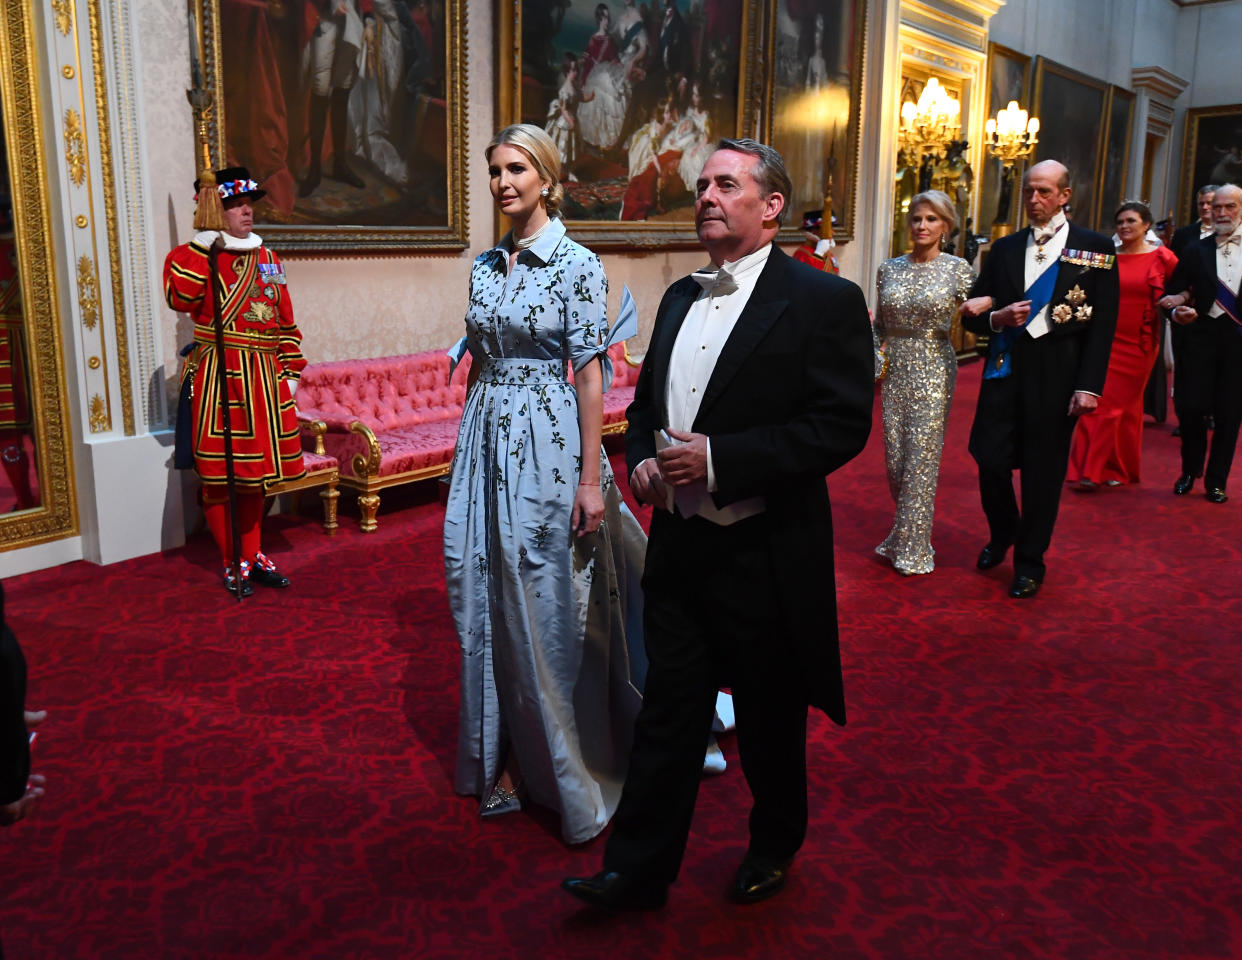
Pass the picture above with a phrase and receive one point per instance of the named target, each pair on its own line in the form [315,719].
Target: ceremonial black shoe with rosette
[612,892]
[759,878]
[246,588]
[263,572]
[1216,495]
[1183,484]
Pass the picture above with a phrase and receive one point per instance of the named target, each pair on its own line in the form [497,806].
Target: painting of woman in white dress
[625,69]
[816,78]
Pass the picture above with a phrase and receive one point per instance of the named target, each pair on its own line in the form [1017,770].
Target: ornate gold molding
[88,292]
[64,15]
[100,421]
[110,213]
[75,147]
[22,110]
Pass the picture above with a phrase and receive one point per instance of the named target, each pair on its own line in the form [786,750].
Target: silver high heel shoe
[502,801]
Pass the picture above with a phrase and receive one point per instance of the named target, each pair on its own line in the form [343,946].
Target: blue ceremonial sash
[1227,300]
[1000,346]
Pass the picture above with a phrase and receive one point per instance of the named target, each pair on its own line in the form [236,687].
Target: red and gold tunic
[14,395]
[261,355]
[806,254]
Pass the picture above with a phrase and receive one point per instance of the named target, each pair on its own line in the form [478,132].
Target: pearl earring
[544,192]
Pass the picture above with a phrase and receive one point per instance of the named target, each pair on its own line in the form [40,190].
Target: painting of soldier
[338,107]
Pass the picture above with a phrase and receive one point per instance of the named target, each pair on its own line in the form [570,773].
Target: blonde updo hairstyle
[544,155]
[941,205]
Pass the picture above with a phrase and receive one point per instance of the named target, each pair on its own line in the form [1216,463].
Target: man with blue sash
[1047,296]
[1203,292]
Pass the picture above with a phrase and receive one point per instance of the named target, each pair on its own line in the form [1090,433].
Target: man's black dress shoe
[758,878]
[1183,484]
[268,578]
[612,891]
[1023,588]
[1216,495]
[990,557]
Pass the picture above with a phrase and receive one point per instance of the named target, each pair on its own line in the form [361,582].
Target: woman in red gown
[1108,445]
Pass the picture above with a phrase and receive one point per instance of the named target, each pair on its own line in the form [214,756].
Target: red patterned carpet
[1058,778]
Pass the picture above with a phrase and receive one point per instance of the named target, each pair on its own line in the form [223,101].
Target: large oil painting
[1067,103]
[1116,159]
[1008,75]
[815,89]
[635,96]
[1212,154]
[348,113]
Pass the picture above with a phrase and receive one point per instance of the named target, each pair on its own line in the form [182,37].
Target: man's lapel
[767,302]
[1015,260]
[661,352]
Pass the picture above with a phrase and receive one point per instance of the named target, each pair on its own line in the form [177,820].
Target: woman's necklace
[525,243]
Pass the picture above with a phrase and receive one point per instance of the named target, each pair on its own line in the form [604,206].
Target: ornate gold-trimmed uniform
[262,355]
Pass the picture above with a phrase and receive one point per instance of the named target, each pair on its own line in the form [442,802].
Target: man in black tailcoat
[758,382]
[1203,293]
[1047,297]
[1192,233]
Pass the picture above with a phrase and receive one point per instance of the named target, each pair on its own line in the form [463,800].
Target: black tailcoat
[1208,375]
[789,401]
[1021,422]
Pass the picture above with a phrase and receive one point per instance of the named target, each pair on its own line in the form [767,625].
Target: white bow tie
[1044,234]
[715,281]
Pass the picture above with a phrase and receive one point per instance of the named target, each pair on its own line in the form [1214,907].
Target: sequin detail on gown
[916,303]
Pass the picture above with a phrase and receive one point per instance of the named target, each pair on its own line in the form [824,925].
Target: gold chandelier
[932,123]
[1010,135]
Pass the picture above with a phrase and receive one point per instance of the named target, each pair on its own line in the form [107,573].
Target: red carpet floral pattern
[1054,778]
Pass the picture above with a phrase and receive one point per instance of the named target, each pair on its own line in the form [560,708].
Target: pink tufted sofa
[393,420]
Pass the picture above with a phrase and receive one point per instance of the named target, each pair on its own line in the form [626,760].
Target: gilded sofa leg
[329,495]
[369,503]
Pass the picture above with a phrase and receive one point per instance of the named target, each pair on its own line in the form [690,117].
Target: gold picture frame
[56,516]
[669,228]
[1211,153]
[325,227]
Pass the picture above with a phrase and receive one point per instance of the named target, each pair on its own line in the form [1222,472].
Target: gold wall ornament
[64,15]
[93,363]
[99,420]
[75,147]
[110,213]
[67,72]
[81,220]
[88,292]
[21,113]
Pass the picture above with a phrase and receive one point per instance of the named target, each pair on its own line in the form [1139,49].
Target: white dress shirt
[699,341]
[1228,267]
[1053,248]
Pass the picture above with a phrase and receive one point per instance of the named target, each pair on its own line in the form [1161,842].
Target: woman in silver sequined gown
[918,294]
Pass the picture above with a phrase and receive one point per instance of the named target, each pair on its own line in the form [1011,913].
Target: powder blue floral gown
[542,615]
